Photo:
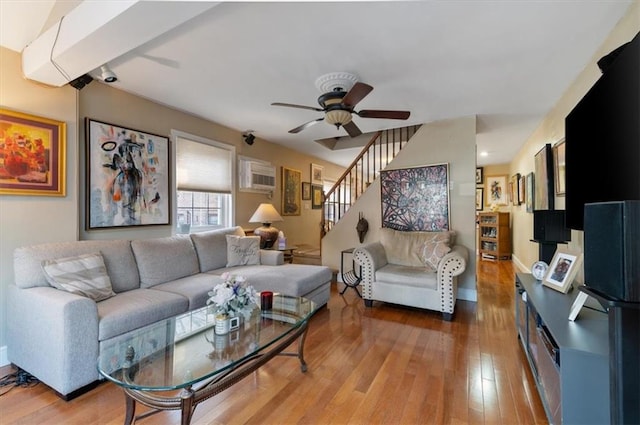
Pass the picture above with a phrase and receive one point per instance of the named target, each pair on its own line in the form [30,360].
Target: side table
[350,278]
[287,251]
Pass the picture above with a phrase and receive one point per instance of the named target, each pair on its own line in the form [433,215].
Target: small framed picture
[479,175]
[560,167]
[562,270]
[317,174]
[316,197]
[306,191]
[497,190]
[479,198]
[577,305]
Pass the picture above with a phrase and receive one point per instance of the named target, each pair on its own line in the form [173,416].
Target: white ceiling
[507,62]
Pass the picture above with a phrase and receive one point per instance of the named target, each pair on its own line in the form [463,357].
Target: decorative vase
[225,324]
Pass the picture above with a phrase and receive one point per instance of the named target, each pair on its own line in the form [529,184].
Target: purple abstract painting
[416,199]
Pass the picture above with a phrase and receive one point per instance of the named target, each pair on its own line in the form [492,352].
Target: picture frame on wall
[562,270]
[522,189]
[559,164]
[316,196]
[544,183]
[479,198]
[515,189]
[530,192]
[317,174]
[33,155]
[497,190]
[306,191]
[415,199]
[479,175]
[291,191]
[127,177]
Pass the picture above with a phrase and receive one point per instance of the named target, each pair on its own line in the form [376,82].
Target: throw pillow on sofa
[243,250]
[84,275]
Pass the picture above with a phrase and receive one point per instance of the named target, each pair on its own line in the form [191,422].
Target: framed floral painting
[33,155]
[497,190]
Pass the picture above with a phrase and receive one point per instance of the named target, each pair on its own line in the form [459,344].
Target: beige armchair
[417,269]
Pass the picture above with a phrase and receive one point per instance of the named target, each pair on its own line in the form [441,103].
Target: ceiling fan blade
[376,113]
[352,129]
[291,105]
[356,94]
[305,125]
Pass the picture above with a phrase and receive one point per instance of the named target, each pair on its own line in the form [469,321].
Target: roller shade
[203,168]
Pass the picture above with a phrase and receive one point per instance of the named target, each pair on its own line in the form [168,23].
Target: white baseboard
[468,294]
[3,356]
[522,268]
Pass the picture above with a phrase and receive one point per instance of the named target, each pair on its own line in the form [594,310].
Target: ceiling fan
[338,106]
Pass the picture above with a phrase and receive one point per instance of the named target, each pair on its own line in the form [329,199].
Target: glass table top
[184,350]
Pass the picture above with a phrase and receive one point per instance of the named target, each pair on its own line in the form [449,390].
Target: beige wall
[450,141]
[34,219]
[26,220]
[552,130]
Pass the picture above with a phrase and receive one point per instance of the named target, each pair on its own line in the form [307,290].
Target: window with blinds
[204,183]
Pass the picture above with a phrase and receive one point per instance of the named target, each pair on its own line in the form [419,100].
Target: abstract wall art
[127,177]
[416,199]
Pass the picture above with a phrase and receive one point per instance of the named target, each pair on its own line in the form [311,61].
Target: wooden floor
[385,364]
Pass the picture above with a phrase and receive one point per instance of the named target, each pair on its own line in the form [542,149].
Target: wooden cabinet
[494,236]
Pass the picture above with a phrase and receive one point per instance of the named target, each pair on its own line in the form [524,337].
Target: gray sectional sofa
[55,335]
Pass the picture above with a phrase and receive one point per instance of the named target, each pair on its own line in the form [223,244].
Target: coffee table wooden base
[191,396]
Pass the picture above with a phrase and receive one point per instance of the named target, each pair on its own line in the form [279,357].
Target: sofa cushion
[211,247]
[84,275]
[161,260]
[422,277]
[134,309]
[289,279]
[194,288]
[117,255]
[407,248]
[243,250]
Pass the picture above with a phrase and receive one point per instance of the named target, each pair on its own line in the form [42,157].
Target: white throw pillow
[84,275]
[243,250]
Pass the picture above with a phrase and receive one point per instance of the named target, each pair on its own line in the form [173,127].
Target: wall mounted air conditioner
[256,176]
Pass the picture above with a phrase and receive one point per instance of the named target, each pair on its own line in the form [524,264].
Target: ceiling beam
[95,33]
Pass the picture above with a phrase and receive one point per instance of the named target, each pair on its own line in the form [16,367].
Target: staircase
[375,156]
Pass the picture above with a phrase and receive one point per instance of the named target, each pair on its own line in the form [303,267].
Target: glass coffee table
[180,362]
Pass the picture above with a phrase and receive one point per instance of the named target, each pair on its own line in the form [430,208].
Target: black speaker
[549,226]
[612,248]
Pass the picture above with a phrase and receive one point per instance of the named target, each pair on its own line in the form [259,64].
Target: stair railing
[374,157]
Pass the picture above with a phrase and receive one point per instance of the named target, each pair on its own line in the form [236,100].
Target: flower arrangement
[233,296]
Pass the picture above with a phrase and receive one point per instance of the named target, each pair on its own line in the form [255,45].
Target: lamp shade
[266,213]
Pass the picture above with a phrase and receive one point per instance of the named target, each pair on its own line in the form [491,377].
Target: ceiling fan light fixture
[337,117]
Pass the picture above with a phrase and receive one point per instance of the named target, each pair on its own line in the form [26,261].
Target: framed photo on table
[33,155]
[127,177]
[562,270]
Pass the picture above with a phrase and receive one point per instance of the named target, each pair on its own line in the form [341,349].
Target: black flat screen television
[603,139]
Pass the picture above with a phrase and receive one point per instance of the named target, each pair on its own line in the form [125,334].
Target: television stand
[569,360]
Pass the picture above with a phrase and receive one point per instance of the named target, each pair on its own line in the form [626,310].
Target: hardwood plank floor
[382,365]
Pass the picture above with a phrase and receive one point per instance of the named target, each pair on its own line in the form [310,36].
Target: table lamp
[266,214]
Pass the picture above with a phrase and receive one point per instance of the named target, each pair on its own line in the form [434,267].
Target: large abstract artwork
[32,155]
[127,177]
[416,199]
